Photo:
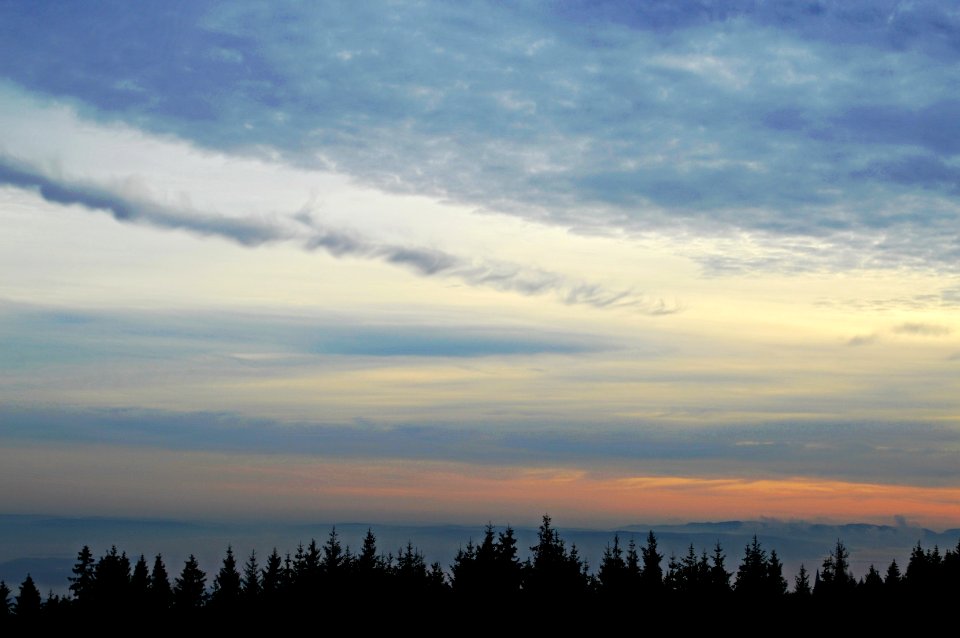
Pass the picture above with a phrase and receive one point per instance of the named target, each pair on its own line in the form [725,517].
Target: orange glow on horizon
[482,491]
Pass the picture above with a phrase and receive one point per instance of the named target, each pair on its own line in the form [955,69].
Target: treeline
[488,574]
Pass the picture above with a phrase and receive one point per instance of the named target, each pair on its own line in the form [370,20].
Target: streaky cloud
[311,235]
[923,329]
[919,454]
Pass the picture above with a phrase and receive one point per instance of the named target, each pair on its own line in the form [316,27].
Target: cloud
[312,235]
[919,454]
[923,329]
[786,120]
[36,336]
[863,340]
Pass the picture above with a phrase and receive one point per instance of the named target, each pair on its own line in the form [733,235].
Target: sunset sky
[460,262]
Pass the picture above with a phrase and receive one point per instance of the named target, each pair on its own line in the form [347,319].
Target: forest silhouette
[486,583]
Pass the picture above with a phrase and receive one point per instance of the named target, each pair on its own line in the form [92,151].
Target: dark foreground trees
[488,582]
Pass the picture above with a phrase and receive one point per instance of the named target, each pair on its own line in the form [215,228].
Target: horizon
[47,547]
[427,262]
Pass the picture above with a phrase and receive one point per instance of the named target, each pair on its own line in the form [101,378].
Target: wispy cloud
[835,124]
[313,235]
[923,329]
[918,454]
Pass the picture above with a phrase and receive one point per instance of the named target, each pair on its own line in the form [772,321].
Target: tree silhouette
[651,578]
[488,570]
[552,572]
[273,579]
[719,576]
[161,596]
[508,568]
[335,561]
[835,578]
[81,583]
[111,582]
[189,589]
[612,572]
[801,586]
[250,586]
[752,573]
[892,579]
[226,585]
[140,584]
[924,574]
[4,600]
[776,583]
[28,600]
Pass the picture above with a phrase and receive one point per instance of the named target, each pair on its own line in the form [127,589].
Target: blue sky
[603,243]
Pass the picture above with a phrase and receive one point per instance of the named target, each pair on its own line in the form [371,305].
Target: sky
[457,262]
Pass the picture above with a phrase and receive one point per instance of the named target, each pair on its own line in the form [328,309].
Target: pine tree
[189,589]
[226,585]
[251,579]
[273,578]
[29,600]
[892,580]
[652,576]
[835,578]
[111,582]
[81,583]
[508,574]
[801,587]
[463,570]
[161,596]
[776,584]
[140,583]
[719,576]
[612,573]
[552,571]
[634,572]
[872,583]
[4,600]
[333,565]
[752,574]
[368,561]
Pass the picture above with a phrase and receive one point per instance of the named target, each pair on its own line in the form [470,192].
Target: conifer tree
[111,582]
[801,586]
[81,583]
[4,600]
[552,571]
[226,584]
[251,578]
[161,595]
[872,583]
[719,576]
[140,583]
[752,573]
[368,561]
[28,600]
[189,589]
[633,566]
[508,574]
[463,570]
[652,575]
[436,579]
[273,577]
[333,563]
[835,578]
[892,580]
[612,572]
[776,584]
